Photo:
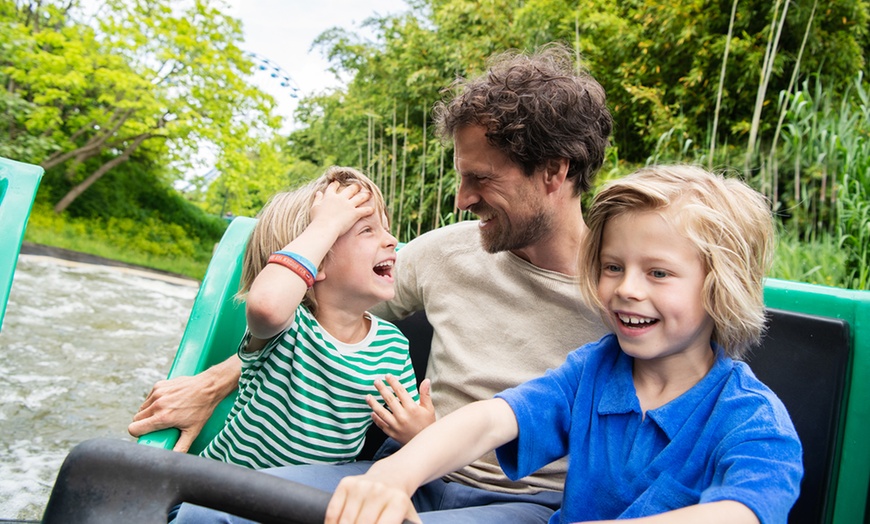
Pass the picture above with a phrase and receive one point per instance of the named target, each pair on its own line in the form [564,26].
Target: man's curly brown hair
[535,108]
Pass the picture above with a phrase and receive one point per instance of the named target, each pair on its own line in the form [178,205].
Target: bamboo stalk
[787,101]
[369,142]
[379,158]
[422,177]
[766,70]
[721,85]
[404,165]
[440,186]
[391,205]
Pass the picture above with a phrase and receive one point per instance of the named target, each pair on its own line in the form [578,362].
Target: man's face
[511,206]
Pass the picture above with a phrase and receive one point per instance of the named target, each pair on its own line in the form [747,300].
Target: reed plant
[816,174]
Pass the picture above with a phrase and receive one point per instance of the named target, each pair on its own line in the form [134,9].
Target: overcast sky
[282,31]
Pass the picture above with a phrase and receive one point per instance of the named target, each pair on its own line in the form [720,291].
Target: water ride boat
[815,356]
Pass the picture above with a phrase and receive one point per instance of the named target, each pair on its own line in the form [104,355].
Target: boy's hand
[404,418]
[363,500]
[341,206]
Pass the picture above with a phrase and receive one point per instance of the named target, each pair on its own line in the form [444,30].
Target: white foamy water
[79,349]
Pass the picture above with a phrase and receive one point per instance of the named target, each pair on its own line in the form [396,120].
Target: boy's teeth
[634,320]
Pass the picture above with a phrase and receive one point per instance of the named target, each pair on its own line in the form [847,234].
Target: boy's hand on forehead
[343,206]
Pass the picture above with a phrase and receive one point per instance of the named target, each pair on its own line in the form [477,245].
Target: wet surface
[80,347]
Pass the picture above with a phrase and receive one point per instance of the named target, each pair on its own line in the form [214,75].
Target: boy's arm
[454,441]
[275,293]
[721,512]
[186,403]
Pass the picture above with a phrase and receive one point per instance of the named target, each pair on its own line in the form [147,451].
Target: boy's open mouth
[384,269]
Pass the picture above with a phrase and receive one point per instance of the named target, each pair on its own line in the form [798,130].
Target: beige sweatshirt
[498,321]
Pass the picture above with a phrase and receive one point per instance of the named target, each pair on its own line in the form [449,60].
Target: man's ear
[555,173]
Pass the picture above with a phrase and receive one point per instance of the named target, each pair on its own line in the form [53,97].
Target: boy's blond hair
[286,216]
[728,222]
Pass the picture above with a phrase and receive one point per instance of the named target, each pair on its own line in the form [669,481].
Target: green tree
[149,79]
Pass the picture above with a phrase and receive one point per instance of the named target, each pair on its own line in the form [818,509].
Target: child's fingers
[377,407]
[382,424]
[391,401]
[426,395]
[318,198]
[359,500]
[401,393]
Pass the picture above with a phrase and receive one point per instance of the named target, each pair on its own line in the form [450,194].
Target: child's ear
[321,274]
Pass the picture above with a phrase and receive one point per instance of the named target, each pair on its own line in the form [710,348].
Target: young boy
[657,419]
[318,258]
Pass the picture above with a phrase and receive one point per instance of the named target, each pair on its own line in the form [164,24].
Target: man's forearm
[224,377]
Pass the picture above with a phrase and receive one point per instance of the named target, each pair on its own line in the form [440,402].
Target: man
[501,293]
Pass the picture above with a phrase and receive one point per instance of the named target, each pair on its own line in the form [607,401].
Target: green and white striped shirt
[302,397]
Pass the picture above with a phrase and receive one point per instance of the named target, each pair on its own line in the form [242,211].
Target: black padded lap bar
[111,481]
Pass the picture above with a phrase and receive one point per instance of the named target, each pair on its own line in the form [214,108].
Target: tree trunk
[74,193]
[93,147]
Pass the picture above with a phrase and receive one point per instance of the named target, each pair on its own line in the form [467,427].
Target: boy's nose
[630,287]
[390,240]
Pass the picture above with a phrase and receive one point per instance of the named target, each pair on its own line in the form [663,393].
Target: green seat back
[18,185]
[214,329]
[217,323]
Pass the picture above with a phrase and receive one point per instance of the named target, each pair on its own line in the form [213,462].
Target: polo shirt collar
[673,416]
[620,397]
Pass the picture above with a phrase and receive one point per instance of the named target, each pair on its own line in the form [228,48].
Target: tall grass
[823,171]
[817,177]
[149,243]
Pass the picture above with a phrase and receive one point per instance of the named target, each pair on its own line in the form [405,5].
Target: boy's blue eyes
[613,268]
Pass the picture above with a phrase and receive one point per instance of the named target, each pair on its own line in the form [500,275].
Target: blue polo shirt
[727,438]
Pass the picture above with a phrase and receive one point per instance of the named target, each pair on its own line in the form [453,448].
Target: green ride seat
[815,356]
[18,185]
[214,329]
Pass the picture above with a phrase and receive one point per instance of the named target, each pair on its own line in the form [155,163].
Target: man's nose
[466,195]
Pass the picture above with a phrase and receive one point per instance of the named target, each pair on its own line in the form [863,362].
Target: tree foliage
[153,81]
[660,63]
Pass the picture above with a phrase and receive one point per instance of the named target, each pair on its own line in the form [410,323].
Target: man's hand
[186,403]
[360,500]
[404,418]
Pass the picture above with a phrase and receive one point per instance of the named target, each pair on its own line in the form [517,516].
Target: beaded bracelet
[302,260]
[294,266]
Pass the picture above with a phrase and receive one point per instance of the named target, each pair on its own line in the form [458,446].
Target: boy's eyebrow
[660,259]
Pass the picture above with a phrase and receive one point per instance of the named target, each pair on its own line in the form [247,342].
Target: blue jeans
[437,502]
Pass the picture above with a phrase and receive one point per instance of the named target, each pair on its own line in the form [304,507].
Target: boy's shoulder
[386,329]
[747,398]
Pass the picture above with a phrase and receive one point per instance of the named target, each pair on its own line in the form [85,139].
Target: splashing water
[80,347]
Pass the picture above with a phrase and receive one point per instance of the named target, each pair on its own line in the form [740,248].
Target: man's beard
[508,237]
